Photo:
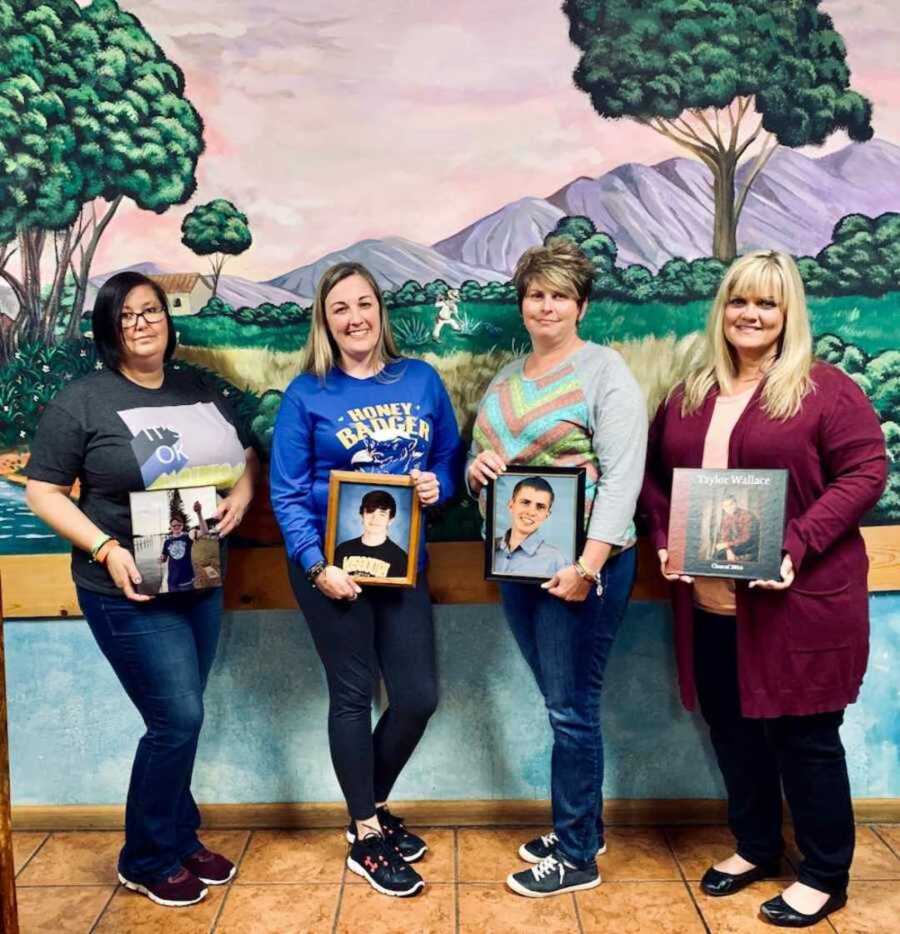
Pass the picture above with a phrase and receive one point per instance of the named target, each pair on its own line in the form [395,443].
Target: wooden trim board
[475,813]
[40,586]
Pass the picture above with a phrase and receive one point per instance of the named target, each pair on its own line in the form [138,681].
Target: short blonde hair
[321,353]
[560,264]
[761,274]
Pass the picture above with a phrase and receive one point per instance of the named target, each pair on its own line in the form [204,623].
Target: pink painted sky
[331,122]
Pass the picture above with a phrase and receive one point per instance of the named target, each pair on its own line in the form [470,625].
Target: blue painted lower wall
[73,731]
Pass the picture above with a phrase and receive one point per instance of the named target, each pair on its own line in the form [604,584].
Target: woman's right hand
[120,565]
[337,584]
[666,573]
[487,466]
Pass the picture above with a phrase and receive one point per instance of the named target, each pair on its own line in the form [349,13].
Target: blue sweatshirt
[393,423]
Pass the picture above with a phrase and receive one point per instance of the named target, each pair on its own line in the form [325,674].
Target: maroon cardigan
[802,650]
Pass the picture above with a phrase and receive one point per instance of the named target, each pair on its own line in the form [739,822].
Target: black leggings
[386,628]
[757,757]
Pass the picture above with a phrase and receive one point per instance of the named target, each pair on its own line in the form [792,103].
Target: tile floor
[295,881]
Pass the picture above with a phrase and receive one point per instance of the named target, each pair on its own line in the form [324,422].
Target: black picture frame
[568,532]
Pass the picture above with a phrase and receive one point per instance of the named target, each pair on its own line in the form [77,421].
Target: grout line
[217,915]
[102,911]
[577,915]
[874,829]
[340,898]
[37,850]
[687,884]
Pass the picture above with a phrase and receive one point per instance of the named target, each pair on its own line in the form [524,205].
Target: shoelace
[550,839]
[548,866]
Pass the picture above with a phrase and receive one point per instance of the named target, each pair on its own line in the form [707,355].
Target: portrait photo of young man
[373,553]
[521,550]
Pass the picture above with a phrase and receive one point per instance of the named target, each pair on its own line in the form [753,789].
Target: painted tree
[91,113]
[216,229]
[723,80]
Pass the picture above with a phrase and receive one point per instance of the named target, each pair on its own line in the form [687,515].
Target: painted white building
[187,292]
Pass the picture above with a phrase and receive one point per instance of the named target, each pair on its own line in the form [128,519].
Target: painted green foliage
[91,112]
[216,228]
[693,70]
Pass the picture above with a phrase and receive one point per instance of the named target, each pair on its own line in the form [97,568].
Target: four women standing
[772,664]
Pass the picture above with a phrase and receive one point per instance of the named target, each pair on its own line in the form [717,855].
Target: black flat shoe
[715,882]
[777,911]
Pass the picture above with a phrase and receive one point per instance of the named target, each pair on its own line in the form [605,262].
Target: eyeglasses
[129,319]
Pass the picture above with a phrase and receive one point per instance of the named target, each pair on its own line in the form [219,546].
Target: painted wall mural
[235,149]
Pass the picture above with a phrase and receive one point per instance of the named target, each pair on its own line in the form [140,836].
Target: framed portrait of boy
[534,522]
[373,527]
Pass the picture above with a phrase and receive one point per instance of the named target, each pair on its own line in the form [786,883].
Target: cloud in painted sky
[328,123]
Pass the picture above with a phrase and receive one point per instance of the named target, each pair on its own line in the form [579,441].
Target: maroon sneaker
[211,868]
[182,888]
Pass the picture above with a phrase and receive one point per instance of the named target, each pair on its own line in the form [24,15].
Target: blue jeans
[162,652]
[566,645]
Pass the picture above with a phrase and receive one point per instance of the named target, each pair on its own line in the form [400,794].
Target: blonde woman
[773,664]
[358,406]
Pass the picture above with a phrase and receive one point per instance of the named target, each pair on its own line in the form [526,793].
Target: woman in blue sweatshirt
[332,418]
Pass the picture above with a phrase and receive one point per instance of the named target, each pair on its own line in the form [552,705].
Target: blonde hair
[761,274]
[560,264]
[321,353]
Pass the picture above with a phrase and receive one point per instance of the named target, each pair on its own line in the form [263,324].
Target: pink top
[716,594]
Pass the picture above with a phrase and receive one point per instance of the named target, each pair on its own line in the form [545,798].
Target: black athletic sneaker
[541,847]
[553,876]
[410,847]
[376,860]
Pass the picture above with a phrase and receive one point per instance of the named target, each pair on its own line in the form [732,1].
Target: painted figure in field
[448,314]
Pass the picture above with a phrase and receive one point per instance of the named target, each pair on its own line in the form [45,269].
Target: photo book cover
[727,523]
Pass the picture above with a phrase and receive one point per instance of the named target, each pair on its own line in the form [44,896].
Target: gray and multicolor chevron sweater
[587,412]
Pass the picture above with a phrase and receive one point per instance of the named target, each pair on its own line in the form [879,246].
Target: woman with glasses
[134,425]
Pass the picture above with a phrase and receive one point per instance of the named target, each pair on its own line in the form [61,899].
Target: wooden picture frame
[562,541]
[377,564]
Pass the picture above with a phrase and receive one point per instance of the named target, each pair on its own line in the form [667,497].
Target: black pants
[390,629]
[757,757]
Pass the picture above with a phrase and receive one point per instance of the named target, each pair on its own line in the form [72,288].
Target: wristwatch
[315,571]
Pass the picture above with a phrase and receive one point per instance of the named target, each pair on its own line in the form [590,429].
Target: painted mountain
[392,261]
[236,291]
[665,210]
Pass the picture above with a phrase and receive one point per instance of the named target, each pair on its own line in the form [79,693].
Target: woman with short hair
[358,405]
[568,403]
[773,664]
[128,427]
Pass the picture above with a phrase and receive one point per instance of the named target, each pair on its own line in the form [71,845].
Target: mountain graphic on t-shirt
[157,450]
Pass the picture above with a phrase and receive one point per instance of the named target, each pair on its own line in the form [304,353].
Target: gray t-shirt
[117,437]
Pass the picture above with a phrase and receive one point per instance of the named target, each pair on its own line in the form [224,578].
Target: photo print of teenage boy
[176,546]
[373,554]
[373,526]
[533,523]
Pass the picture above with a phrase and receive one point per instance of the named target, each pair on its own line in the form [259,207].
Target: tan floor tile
[132,913]
[82,858]
[698,848]
[872,858]
[872,908]
[279,909]
[493,909]
[637,854]
[230,843]
[364,909]
[890,833]
[24,845]
[294,856]
[60,909]
[490,855]
[437,865]
[739,913]
[639,907]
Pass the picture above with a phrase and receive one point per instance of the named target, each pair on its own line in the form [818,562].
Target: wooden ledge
[39,586]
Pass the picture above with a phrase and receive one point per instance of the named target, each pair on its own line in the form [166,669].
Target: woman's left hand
[787,577]
[427,485]
[568,584]
[231,511]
